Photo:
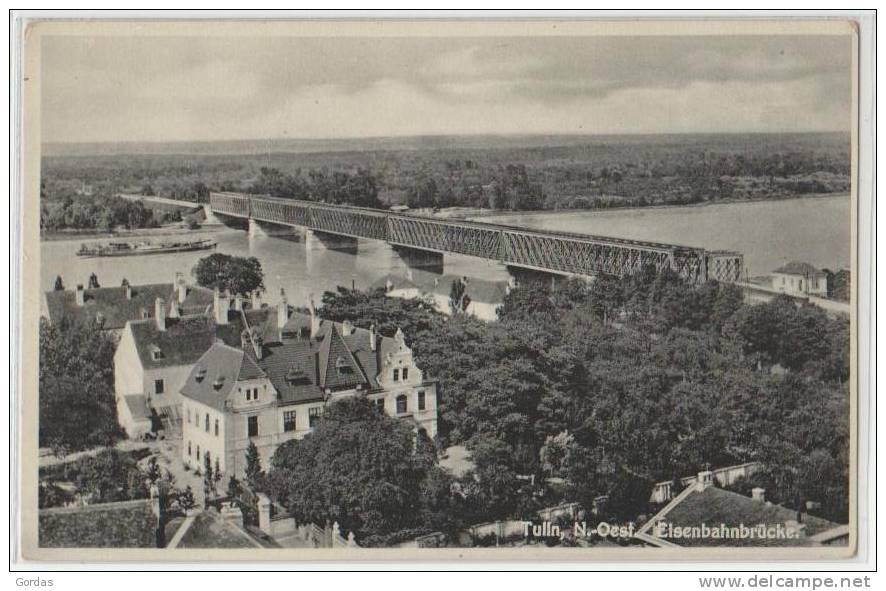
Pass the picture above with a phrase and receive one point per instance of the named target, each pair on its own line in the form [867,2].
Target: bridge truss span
[557,252]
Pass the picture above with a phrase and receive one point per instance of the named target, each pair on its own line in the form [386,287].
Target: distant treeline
[603,172]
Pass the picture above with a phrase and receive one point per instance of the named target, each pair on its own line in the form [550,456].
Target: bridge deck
[538,249]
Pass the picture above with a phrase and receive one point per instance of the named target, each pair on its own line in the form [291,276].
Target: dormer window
[295,374]
[200,375]
[156,353]
[342,367]
[219,382]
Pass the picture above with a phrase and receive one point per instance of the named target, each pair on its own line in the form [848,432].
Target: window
[405,373]
[206,423]
[198,452]
[189,449]
[289,420]
[396,375]
[189,419]
[314,415]
[402,407]
[158,386]
[421,400]
[157,354]
[251,394]
[252,426]
[216,427]
[380,404]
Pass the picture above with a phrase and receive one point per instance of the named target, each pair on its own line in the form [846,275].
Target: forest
[558,172]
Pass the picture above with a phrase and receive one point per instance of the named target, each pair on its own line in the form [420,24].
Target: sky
[162,89]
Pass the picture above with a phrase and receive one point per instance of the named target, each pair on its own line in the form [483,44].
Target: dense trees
[359,188]
[239,275]
[94,212]
[77,407]
[358,467]
[649,376]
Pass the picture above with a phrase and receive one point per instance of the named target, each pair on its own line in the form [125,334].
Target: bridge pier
[259,229]
[415,259]
[315,240]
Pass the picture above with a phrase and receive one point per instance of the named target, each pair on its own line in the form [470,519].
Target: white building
[800,279]
[275,385]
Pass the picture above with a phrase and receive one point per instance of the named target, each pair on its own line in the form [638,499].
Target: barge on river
[125,249]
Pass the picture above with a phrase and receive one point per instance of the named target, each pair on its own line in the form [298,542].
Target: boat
[125,249]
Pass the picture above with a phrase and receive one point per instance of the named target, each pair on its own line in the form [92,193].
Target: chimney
[256,300]
[181,287]
[248,339]
[127,290]
[220,307]
[173,310]
[347,328]
[705,479]
[238,302]
[315,318]
[80,295]
[372,337]
[160,313]
[758,494]
[282,310]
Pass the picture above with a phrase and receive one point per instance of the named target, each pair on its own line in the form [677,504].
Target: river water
[815,230]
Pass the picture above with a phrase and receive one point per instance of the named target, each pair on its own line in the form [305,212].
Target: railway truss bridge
[520,249]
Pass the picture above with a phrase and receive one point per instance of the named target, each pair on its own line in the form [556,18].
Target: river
[815,230]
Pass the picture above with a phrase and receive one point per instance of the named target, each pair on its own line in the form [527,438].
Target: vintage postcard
[349,290]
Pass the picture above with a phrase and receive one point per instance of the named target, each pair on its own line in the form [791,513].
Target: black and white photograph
[557,289]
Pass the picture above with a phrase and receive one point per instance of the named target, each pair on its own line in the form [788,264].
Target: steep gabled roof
[338,368]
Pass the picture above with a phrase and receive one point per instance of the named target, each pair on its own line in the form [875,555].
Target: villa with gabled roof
[275,385]
[239,370]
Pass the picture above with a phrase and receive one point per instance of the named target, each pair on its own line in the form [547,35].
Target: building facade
[275,386]
[800,279]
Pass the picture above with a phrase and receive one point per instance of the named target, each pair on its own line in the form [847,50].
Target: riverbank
[501,213]
[78,235]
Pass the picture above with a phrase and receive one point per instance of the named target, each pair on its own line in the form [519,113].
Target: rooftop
[126,524]
[300,367]
[799,268]
[714,506]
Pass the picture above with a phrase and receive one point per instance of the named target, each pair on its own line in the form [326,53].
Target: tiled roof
[126,524]
[299,367]
[184,340]
[109,302]
[714,506]
[798,268]
[214,375]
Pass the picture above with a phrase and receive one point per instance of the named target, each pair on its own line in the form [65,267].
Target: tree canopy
[77,405]
[358,467]
[239,275]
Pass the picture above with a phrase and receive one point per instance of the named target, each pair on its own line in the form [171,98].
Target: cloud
[166,89]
